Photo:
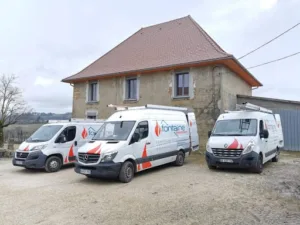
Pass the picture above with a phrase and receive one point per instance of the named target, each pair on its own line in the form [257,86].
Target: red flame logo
[95,150]
[84,133]
[191,123]
[157,129]
[26,149]
[235,145]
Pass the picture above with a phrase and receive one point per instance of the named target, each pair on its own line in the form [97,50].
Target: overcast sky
[44,41]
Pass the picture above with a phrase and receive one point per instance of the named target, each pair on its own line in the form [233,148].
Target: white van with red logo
[134,139]
[55,144]
[247,138]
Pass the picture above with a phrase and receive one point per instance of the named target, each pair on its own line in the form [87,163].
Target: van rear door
[280,132]
[193,131]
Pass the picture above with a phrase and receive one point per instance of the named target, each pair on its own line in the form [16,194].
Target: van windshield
[235,127]
[44,133]
[114,130]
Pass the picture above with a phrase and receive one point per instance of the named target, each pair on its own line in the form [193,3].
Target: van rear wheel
[179,159]
[53,164]
[276,157]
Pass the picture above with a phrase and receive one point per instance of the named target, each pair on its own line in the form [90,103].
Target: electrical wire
[270,41]
[276,60]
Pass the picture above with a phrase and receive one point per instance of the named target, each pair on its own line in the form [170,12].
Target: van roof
[139,114]
[243,115]
[72,123]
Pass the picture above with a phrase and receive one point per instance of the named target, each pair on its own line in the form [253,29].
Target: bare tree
[12,104]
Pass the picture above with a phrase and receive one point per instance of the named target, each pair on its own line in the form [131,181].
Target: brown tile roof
[177,42]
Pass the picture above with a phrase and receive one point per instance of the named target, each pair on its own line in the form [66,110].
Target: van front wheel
[179,159]
[53,164]
[126,172]
[258,168]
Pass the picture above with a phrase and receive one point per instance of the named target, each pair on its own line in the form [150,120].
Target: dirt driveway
[191,194]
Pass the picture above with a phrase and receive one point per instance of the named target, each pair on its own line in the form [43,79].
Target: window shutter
[191,86]
[124,88]
[138,88]
[98,90]
[87,92]
[173,84]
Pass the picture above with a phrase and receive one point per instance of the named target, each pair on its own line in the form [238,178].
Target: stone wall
[157,88]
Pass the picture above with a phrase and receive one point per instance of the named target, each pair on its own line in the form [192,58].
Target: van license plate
[226,160]
[85,171]
[19,162]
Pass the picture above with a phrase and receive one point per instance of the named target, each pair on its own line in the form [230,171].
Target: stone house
[173,63]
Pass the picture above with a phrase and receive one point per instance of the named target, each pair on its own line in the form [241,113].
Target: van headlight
[250,147]
[109,157]
[38,148]
[208,148]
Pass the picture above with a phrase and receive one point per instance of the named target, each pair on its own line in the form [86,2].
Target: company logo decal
[26,149]
[84,133]
[234,145]
[165,127]
[96,150]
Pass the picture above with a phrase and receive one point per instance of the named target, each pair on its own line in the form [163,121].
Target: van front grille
[88,158]
[22,155]
[228,153]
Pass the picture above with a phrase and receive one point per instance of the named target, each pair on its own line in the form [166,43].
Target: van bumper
[35,160]
[244,161]
[102,170]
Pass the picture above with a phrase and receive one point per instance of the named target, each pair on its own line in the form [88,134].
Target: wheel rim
[180,159]
[129,172]
[53,164]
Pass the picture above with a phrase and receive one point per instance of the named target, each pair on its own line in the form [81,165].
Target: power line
[276,60]
[269,41]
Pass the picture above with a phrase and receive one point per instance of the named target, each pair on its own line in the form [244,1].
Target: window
[92,92]
[182,84]
[114,131]
[91,114]
[142,130]
[131,89]
[235,127]
[70,133]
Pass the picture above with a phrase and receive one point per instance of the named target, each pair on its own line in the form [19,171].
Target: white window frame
[88,91]
[190,84]
[91,113]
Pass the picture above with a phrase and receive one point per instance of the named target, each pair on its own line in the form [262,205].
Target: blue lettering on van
[177,129]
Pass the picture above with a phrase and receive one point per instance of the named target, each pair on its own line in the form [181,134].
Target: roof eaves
[68,80]
[244,68]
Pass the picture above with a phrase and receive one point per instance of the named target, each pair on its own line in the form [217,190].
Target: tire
[179,159]
[259,165]
[53,164]
[211,167]
[276,158]
[90,177]
[126,172]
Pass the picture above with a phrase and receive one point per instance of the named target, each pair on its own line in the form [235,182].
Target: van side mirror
[209,134]
[62,139]
[264,134]
[135,138]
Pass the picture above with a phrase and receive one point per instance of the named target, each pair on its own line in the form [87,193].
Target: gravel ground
[191,194]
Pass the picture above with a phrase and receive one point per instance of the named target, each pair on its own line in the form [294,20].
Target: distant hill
[36,118]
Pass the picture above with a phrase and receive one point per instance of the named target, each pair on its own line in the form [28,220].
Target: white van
[134,139]
[246,138]
[55,144]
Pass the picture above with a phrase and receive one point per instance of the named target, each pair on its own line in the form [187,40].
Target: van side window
[142,129]
[70,133]
[261,126]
